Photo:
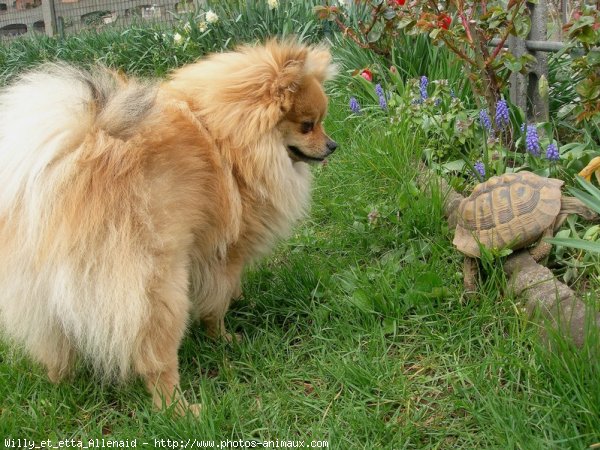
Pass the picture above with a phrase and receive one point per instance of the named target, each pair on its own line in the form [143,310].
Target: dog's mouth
[298,155]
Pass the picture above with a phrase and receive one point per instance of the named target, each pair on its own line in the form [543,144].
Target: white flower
[202,27]
[273,4]
[177,38]
[211,17]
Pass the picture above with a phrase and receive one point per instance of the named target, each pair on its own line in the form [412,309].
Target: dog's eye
[307,127]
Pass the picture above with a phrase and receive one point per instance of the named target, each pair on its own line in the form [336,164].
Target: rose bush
[465,27]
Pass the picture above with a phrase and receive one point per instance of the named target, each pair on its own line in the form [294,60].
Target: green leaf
[566,110]
[585,34]
[522,25]
[589,187]
[404,200]
[591,198]
[389,14]
[587,199]
[513,65]
[576,243]
[574,150]
[362,300]
[583,21]
[413,189]
[374,35]
[405,22]
[389,325]
[454,166]
[427,281]
[593,57]
[434,33]
[542,172]
[588,89]
[591,233]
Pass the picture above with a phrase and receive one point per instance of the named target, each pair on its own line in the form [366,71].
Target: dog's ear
[285,84]
[319,64]
[263,91]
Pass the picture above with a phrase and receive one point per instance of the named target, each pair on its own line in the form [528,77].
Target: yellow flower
[593,167]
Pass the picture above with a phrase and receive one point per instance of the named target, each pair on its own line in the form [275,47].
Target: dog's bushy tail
[51,120]
[50,110]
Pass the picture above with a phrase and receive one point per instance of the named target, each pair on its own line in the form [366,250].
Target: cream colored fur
[128,209]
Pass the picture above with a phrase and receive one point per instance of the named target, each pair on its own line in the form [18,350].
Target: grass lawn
[356,332]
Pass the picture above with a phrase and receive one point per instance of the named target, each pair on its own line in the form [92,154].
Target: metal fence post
[524,88]
[518,81]
[49,17]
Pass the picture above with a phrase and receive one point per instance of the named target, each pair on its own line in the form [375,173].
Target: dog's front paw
[179,407]
[182,408]
[232,337]
[216,331]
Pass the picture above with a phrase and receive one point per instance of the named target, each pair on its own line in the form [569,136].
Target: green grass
[356,331]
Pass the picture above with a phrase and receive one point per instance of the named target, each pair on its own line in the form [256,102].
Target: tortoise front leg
[470,274]
[542,249]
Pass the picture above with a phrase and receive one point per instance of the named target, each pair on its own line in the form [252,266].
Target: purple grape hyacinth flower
[484,120]
[423,87]
[532,140]
[552,153]
[382,103]
[354,106]
[502,115]
[381,95]
[479,170]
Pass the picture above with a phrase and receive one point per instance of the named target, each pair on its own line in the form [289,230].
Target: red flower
[444,21]
[367,75]
[396,2]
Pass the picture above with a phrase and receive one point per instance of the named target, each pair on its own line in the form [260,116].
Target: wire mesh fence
[51,17]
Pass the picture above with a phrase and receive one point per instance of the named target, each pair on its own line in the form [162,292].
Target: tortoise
[512,211]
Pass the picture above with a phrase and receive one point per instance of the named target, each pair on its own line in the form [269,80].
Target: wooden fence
[52,17]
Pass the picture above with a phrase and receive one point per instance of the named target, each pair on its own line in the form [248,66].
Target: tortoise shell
[508,211]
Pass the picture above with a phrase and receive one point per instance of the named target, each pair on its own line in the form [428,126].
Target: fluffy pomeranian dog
[129,209]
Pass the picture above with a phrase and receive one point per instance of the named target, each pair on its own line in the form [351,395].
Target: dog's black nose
[331,146]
